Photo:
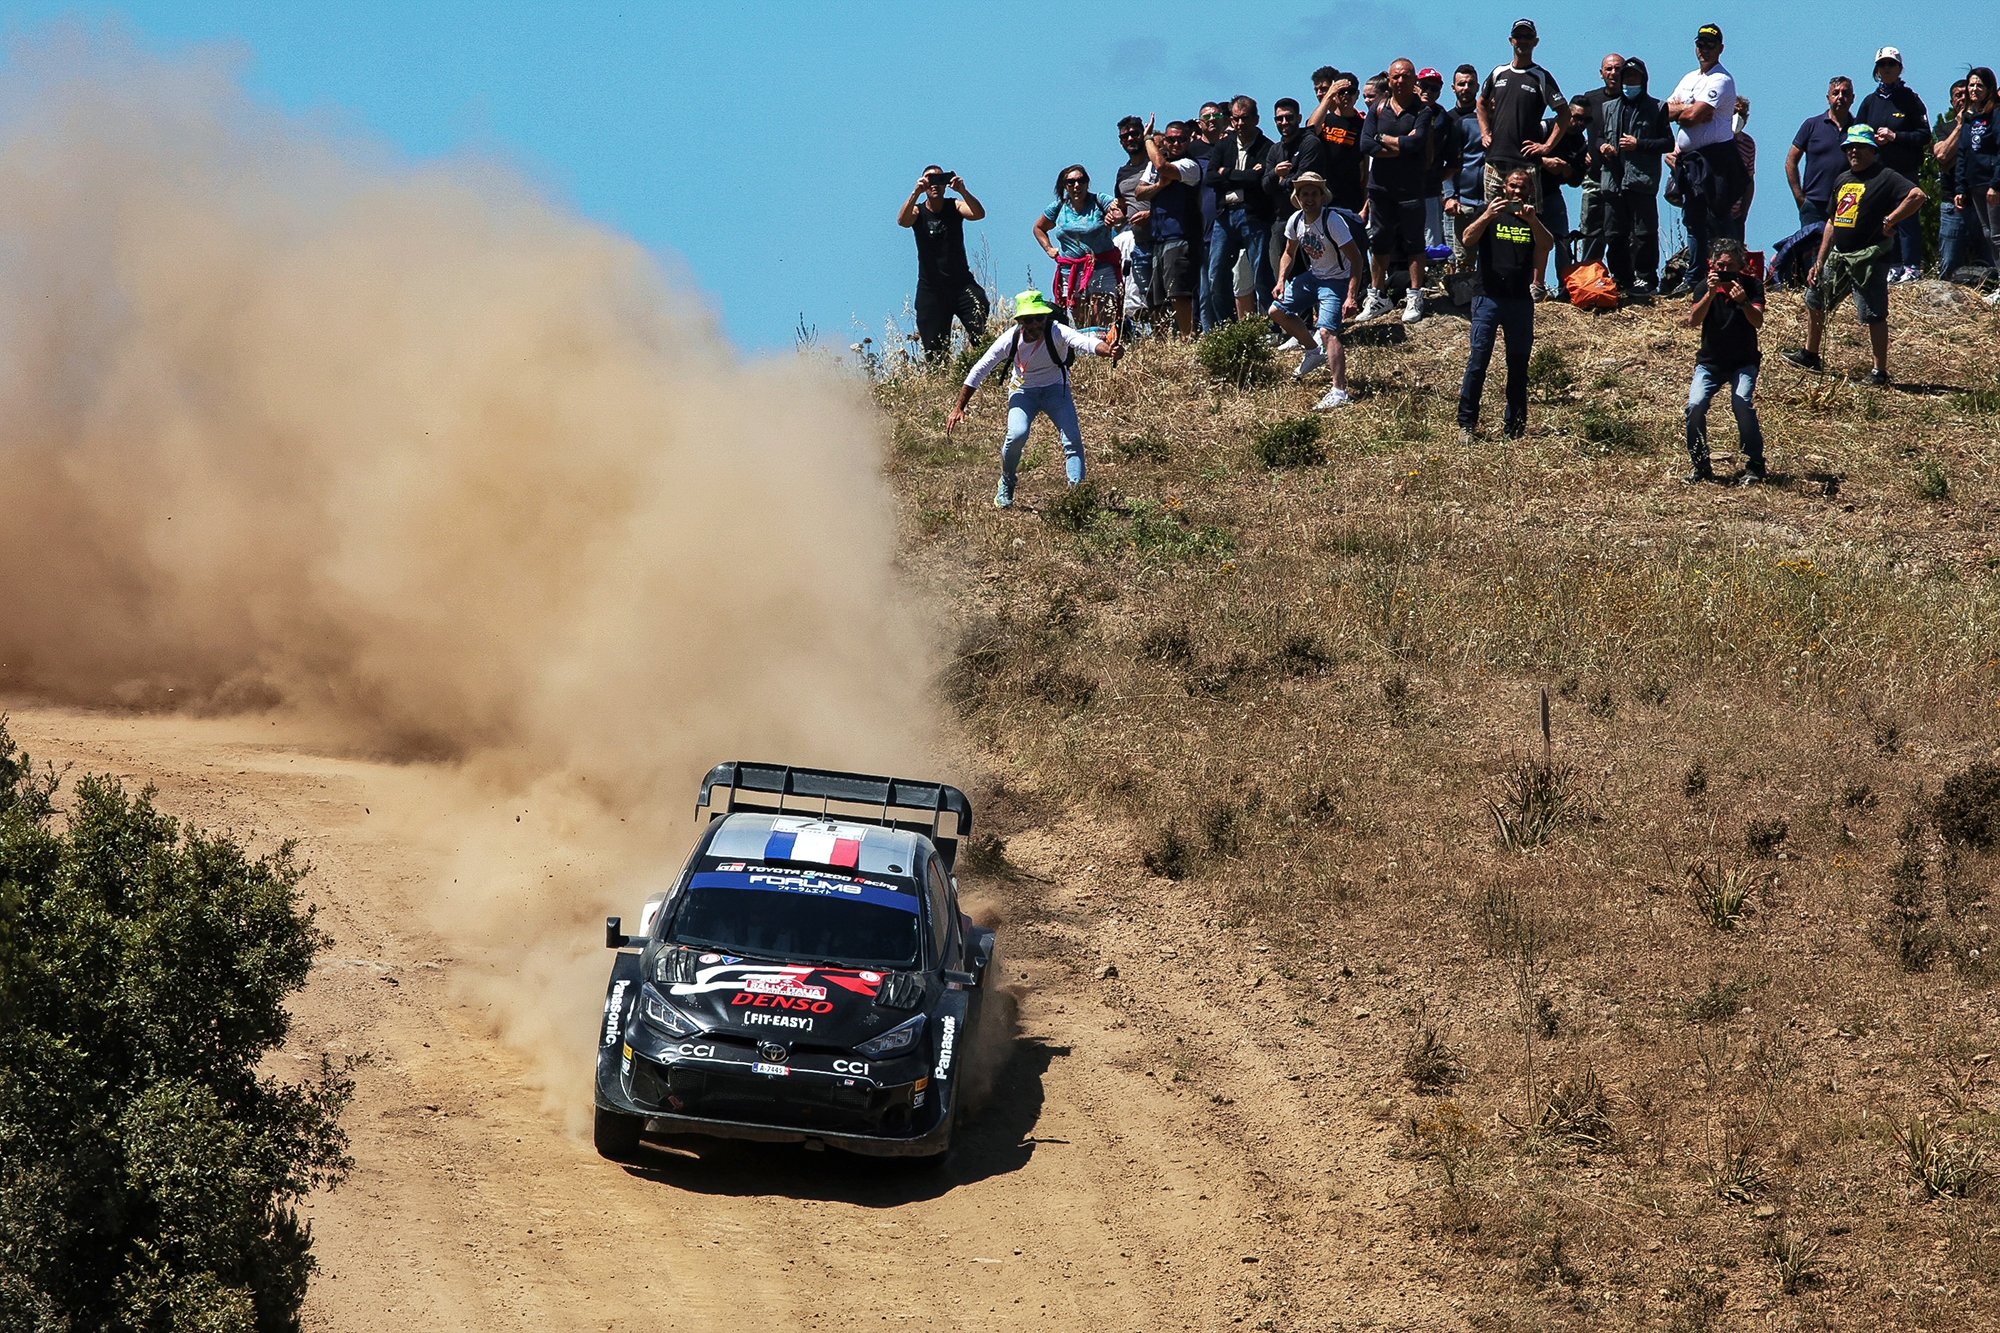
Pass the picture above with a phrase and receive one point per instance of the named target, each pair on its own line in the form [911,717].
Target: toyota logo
[773,1052]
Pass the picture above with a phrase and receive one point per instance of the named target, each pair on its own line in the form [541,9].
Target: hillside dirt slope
[1152,1157]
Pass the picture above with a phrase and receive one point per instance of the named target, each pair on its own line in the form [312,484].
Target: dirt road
[1158,1153]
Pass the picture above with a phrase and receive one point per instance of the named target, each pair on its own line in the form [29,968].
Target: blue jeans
[1235,230]
[1555,216]
[1052,401]
[1812,215]
[1910,232]
[1742,382]
[1515,318]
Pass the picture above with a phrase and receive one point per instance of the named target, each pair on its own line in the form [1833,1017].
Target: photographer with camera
[1035,356]
[1728,312]
[945,285]
[1511,244]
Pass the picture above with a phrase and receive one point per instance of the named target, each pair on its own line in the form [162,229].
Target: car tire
[615,1134]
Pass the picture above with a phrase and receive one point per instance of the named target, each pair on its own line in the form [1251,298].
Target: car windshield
[800,916]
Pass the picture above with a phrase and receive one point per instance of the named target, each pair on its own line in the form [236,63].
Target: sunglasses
[1075,181]
[1213,115]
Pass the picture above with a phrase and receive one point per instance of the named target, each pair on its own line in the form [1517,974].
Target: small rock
[1363,1013]
[1108,971]
[1765,1211]
[1249,1258]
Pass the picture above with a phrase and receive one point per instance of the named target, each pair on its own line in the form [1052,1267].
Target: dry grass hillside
[1694,1009]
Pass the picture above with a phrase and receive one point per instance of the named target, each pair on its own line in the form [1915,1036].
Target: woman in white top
[1324,265]
[1039,353]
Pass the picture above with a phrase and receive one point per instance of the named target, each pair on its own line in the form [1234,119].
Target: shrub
[1946,1167]
[1237,353]
[1931,482]
[1762,836]
[986,854]
[1429,1062]
[1610,430]
[1167,853]
[1548,372]
[1294,442]
[1168,642]
[149,1171]
[1694,782]
[1147,444]
[1721,893]
[1721,1000]
[1967,810]
[1535,794]
[1075,509]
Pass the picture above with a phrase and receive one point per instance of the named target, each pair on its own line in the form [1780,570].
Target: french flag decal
[818,843]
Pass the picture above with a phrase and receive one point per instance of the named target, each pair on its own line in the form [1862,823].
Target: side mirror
[961,978]
[614,932]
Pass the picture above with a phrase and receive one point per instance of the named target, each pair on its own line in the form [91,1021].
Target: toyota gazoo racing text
[808,977]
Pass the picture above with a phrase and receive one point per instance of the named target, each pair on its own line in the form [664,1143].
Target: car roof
[830,841]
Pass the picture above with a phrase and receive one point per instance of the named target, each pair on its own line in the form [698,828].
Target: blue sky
[767,145]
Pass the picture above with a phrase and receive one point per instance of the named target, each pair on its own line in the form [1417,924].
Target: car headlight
[654,1008]
[898,1038]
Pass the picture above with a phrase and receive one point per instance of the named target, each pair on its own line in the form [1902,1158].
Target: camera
[940,176]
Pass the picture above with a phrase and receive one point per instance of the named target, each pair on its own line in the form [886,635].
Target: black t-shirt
[1727,340]
[1572,149]
[1340,156]
[1507,258]
[1403,176]
[1519,98]
[941,245]
[1861,201]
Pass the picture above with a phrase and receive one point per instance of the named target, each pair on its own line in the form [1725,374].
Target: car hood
[792,1003]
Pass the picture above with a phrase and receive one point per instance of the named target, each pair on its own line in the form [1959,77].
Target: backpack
[1056,349]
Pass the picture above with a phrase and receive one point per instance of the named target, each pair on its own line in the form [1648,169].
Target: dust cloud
[436,469]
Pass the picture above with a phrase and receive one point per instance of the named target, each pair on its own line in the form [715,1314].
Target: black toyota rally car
[808,978]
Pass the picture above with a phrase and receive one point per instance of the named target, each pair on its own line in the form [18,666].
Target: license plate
[780,1070]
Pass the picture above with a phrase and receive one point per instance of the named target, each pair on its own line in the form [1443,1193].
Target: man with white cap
[1902,126]
[1708,169]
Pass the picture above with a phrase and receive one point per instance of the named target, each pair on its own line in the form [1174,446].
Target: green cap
[1034,303]
[1859,134]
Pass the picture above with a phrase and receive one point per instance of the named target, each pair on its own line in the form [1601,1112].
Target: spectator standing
[1038,353]
[1902,126]
[1972,150]
[1170,186]
[945,285]
[1319,277]
[1511,245]
[1631,137]
[1510,114]
[1952,247]
[1135,239]
[1209,127]
[1075,231]
[1560,167]
[1243,209]
[1465,188]
[1397,135]
[1817,155]
[1338,126]
[1856,250]
[1708,168]
[1593,215]
[1445,151]
[1746,148]
[1728,312]
[1292,154]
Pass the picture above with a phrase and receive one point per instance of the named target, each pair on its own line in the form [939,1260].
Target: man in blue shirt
[1817,156]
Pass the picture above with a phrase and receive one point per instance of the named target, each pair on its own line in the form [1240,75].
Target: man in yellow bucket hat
[1037,353]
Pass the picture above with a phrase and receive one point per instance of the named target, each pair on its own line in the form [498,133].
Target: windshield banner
[810,884]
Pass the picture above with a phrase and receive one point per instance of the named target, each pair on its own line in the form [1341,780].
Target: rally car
[808,978]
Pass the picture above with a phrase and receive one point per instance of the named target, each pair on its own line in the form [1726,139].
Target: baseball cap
[1524,25]
[1423,74]
[1888,53]
[1707,31]
[1859,134]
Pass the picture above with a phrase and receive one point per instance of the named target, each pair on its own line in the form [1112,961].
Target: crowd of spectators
[1381,192]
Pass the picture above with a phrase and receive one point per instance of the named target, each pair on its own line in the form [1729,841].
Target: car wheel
[615,1134]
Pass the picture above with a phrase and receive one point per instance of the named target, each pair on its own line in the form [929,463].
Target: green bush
[1931,481]
[1075,509]
[1549,373]
[1290,443]
[1611,431]
[148,1171]
[1238,353]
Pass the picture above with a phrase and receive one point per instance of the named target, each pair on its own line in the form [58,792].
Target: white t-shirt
[1322,241]
[1034,367]
[1191,172]
[1718,89]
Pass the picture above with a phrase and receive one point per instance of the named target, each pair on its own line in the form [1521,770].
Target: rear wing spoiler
[864,799]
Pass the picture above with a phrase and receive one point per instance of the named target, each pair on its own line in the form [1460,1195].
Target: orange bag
[1590,287]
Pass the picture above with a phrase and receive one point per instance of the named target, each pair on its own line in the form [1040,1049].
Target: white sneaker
[1334,398]
[1314,360]
[1992,299]
[1413,308]
[1289,345]
[1376,306]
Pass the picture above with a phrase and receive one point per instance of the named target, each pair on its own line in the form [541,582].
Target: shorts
[1496,180]
[1871,299]
[1395,229]
[1175,272]
[1309,289]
